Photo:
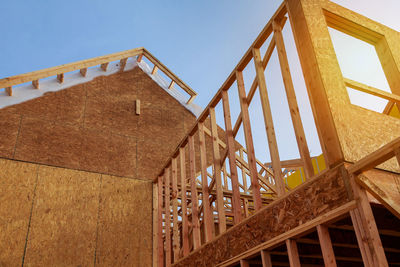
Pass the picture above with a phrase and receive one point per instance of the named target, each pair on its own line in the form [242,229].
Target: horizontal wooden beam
[36,75]
[375,158]
[371,90]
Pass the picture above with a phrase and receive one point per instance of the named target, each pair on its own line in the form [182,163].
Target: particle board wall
[61,217]
[94,127]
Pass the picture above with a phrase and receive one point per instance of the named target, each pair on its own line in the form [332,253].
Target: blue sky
[201,41]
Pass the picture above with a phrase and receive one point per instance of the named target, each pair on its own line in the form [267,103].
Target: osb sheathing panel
[316,197]
[94,127]
[64,218]
[9,126]
[76,217]
[17,183]
[125,217]
[360,131]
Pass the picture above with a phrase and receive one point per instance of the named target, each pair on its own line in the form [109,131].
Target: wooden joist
[154,71]
[35,84]
[60,77]
[122,63]
[83,72]
[375,158]
[104,66]
[167,199]
[9,90]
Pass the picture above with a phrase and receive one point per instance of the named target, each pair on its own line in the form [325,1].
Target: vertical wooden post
[185,228]
[306,16]
[244,263]
[255,186]
[217,173]
[268,122]
[292,101]
[243,169]
[207,216]
[167,217]
[160,222]
[266,259]
[361,238]
[326,246]
[195,202]
[174,195]
[230,142]
[367,221]
[293,254]
[156,233]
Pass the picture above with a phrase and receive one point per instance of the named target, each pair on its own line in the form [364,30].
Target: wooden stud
[160,242]
[326,246]
[139,58]
[367,221]
[207,213]
[266,258]
[293,253]
[361,238]
[154,71]
[104,66]
[269,125]
[230,142]
[137,107]
[291,98]
[167,196]
[255,187]
[35,84]
[60,78]
[9,90]
[244,177]
[174,195]
[83,72]
[156,232]
[122,63]
[244,263]
[246,208]
[171,85]
[193,190]
[185,228]
[217,173]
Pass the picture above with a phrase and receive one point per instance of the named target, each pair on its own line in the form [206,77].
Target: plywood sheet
[125,223]
[64,218]
[17,183]
[9,126]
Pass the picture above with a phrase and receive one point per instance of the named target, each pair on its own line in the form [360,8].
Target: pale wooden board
[64,218]
[17,182]
[125,219]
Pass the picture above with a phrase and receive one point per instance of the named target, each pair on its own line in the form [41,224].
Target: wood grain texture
[94,127]
[64,218]
[125,217]
[17,182]
[308,201]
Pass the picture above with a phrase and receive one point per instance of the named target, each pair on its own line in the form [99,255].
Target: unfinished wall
[61,217]
[310,200]
[93,127]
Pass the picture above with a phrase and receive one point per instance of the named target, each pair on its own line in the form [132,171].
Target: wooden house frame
[232,225]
